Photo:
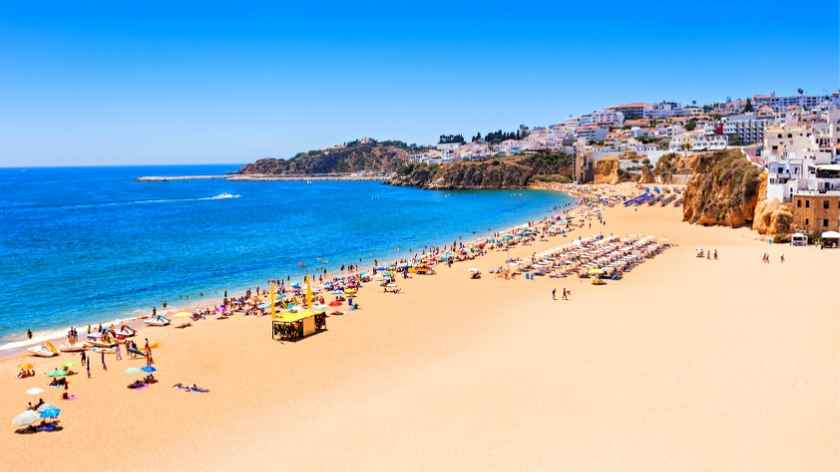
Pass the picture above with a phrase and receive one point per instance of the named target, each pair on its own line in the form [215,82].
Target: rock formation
[511,172]
[772,217]
[723,190]
[606,171]
[670,165]
[367,156]
[647,176]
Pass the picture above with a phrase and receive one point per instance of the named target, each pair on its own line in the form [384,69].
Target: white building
[782,103]
[591,132]
[746,128]
[603,117]
[664,110]
[795,163]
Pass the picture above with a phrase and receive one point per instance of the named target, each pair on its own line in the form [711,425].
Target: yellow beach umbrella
[183,314]
[26,366]
[308,293]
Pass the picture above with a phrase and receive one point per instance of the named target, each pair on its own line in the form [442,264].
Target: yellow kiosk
[294,325]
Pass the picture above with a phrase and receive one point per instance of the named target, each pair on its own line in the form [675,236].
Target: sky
[122,83]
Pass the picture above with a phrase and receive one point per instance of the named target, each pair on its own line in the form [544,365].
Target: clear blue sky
[148,82]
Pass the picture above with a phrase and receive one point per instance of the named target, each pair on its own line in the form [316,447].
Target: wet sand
[686,364]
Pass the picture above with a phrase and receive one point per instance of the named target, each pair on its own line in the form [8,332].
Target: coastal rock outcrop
[510,172]
[723,190]
[670,166]
[606,171]
[772,217]
[647,176]
[367,156]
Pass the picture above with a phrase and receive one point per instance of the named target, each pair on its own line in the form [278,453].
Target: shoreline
[261,177]
[14,347]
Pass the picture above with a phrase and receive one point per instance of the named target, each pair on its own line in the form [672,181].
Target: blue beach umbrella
[148,369]
[50,412]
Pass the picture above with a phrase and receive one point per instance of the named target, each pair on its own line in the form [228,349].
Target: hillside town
[795,138]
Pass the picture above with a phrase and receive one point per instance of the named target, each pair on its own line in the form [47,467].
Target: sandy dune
[686,364]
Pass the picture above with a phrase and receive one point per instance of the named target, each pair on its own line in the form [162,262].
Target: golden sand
[685,364]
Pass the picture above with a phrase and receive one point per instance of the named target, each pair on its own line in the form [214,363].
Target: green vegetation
[452,139]
[692,123]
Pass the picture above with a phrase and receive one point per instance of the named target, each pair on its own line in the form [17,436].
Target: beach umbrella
[26,418]
[25,366]
[34,391]
[148,369]
[336,303]
[57,373]
[183,314]
[49,411]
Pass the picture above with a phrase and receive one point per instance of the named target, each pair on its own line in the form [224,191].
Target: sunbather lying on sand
[192,388]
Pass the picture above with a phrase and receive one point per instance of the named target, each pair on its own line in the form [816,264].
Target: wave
[221,196]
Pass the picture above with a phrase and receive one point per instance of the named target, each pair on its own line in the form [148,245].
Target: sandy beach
[686,364]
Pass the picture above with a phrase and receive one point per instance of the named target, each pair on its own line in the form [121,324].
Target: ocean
[84,245]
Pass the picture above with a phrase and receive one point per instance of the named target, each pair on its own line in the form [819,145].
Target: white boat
[125,331]
[158,320]
[44,350]
[77,347]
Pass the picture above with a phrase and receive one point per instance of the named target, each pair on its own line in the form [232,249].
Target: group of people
[765,258]
[564,295]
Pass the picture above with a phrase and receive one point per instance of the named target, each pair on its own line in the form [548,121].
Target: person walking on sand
[715,254]
[104,367]
[554,294]
[87,366]
[782,258]
[117,353]
[566,293]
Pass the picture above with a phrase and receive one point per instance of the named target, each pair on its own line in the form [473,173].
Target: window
[807,203]
[825,223]
[807,222]
[799,204]
[825,204]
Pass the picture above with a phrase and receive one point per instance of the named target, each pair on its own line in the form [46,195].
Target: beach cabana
[830,239]
[291,326]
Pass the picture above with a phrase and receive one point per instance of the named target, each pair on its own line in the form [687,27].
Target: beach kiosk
[291,326]
[830,239]
[294,324]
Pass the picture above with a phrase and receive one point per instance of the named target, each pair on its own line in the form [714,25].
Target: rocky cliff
[772,217]
[511,172]
[723,190]
[670,165]
[606,171]
[647,176]
[367,156]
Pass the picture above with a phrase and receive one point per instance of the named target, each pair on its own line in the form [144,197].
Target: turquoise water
[83,245]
